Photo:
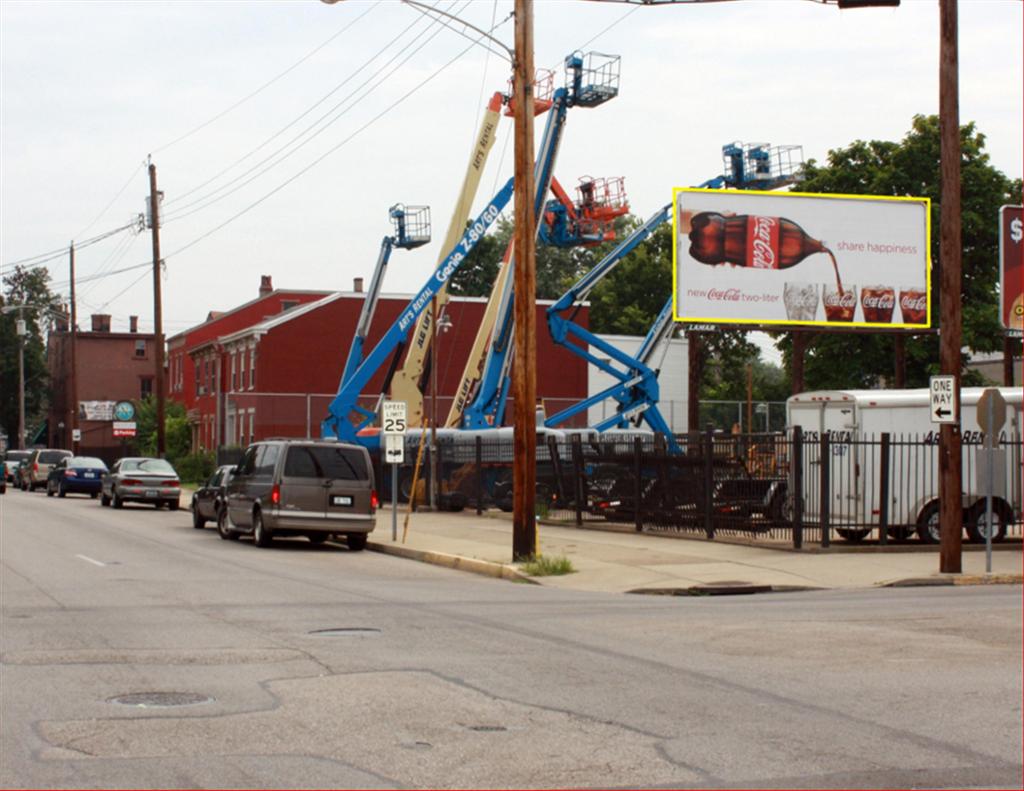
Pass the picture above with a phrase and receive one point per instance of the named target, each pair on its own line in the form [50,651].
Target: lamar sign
[1011,267]
[742,257]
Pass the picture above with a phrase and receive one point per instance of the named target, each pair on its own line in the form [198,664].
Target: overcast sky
[89,89]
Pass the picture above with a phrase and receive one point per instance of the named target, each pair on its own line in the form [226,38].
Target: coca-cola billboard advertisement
[1011,266]
[743,257]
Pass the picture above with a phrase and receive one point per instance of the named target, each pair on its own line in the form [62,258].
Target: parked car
[301,487]
[81,474]
[37,467]
[208,499]
[11,460]
[141,480]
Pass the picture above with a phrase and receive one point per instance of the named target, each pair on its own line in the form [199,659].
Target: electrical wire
[267,84]
[326,154]
[282,130]
[183,211]
[55,254]
[126,288]
[120,192]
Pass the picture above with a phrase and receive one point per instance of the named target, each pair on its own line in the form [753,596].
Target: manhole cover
[346,631]
[153,700]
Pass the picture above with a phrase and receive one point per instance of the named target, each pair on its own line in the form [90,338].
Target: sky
[283,131]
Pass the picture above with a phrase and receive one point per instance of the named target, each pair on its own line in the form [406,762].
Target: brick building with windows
[277,376]
[112,366]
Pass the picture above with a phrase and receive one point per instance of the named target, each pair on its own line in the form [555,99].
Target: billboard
[741,257]
[1011,267]
[95,410]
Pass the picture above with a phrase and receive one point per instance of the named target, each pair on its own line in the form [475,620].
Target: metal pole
[695,373]
[524,385]
[158,324]
[435,487]
[992,441]
[950,459]
[394,500]
[73,406]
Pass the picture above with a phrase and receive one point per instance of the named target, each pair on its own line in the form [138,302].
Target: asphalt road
[454,680]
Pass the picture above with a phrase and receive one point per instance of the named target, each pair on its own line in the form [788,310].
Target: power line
[118,195]
[63,251]
[323,156]
[265,85]
[212,197]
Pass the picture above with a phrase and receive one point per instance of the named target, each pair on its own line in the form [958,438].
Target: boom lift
[636,388]
[591,80]
[412,229]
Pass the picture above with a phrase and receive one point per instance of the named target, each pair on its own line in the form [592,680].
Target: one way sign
[944,399]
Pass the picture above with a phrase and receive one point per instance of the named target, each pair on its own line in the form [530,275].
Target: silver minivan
[312,488]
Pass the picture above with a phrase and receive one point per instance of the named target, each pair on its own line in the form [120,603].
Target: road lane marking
[90,560]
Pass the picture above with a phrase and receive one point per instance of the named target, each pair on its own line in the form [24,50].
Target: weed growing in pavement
[544,566]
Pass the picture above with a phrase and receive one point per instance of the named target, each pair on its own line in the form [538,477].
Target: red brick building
[112,366]
[276,377]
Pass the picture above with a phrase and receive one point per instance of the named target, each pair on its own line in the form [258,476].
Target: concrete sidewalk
[617,562]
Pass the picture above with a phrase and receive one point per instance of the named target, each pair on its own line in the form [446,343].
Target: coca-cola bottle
[750,240]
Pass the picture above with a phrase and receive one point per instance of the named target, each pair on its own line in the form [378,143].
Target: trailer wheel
[853,536]
[928,523]
[1002,516]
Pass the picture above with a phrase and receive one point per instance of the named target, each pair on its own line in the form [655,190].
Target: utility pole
[950,461]
[695,371]
[524,384]
[435,484]
[158,328]
[73,334]
[21,332]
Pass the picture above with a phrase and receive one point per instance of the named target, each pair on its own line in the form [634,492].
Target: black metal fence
[792,488]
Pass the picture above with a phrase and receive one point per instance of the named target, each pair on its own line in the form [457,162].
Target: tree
[25,286]
[911,168]
[177,434]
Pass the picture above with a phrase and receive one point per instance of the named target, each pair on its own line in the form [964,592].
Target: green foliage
[195,467]
[25,287]
[911,168]
[177,435]
[547,566]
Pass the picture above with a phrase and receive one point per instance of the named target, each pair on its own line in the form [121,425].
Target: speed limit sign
[393,418]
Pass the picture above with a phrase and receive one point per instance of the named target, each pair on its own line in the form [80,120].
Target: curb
[740,589]
[952,579]
[457,562]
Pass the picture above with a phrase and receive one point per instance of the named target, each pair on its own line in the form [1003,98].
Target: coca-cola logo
[727,295]
[763,231]
[834,299]
[913,302]
[883,301]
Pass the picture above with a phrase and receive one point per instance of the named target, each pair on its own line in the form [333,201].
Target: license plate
[341,499]
[152,493]
[90,475]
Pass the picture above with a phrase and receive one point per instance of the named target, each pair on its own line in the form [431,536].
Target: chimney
[101,322]
[133,324]
[357,285]
[266,285]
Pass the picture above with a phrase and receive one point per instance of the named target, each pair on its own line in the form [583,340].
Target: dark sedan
[76,474]
[141,480]
[209,498]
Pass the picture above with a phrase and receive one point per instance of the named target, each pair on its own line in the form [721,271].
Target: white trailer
[856,421]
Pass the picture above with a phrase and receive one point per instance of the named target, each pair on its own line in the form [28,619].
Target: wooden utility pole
[800,342]
[950,461]
[899,353]
[1009,345]
[524,363]
[750,399]
[158,323]
[72,420]
[695,374]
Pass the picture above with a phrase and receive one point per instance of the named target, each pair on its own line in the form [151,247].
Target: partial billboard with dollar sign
[1011,267]
[742,257]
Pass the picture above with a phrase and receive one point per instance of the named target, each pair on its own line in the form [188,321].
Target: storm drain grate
[487,728]
[346,631]
[154,700]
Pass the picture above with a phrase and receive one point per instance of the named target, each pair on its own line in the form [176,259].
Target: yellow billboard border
[787,323]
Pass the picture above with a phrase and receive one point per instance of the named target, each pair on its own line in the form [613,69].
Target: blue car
[81,474]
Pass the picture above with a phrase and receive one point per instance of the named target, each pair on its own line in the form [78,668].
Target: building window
[199,381]
[145,386]
[140,348]
[288,304]
[252,425]
[234,372]
[252,368]
[241,370]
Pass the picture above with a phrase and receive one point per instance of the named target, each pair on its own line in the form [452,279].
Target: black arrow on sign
[940,412]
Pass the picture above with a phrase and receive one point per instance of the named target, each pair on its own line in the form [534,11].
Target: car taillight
[275,494]
[131,482]
[35,466]
[374,500]
[170,483]
[70,474]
